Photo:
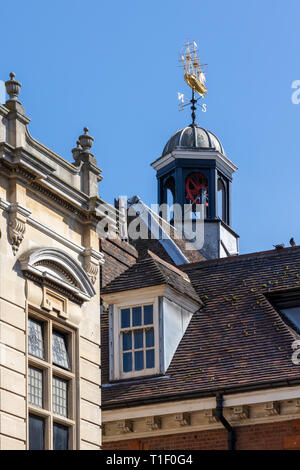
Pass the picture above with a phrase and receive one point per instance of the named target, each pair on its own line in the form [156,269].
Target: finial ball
[13,87]
[86,140]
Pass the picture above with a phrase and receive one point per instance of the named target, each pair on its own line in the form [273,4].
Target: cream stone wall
[13,367]
[13,360]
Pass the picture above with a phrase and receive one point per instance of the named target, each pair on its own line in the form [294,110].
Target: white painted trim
[139,295]
[158,409]
[117,373]
[200,155]
[134,295]
[287,393]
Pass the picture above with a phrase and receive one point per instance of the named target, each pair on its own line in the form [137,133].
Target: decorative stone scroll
[91,262]
[18,216]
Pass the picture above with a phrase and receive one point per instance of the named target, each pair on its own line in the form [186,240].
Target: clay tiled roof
[237,340]
[152,271]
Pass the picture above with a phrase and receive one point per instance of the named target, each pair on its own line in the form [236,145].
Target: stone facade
[49,268]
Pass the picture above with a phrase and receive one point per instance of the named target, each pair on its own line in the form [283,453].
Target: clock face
[196,188]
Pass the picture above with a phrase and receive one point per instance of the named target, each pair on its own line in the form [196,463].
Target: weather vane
[194,77]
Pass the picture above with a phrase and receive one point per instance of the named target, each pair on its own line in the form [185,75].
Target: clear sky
[113,66]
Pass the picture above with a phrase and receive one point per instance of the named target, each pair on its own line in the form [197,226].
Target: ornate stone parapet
[18,216]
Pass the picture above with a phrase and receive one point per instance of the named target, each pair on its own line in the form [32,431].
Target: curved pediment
[58,267]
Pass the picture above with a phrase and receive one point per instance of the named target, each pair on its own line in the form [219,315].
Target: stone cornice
[39,177]
[260,407]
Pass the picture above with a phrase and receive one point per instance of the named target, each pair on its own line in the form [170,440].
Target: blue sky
[113,66]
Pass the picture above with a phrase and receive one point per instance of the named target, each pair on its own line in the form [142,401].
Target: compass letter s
[295,95]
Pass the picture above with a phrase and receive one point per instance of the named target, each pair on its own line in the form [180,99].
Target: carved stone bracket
[92,260]
[272,408]
[211,415]
[125,426]
[18,216]
[153,423]
[240,412]
[183,419]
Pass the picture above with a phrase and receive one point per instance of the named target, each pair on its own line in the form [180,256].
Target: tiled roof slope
[152,271]
[238,339]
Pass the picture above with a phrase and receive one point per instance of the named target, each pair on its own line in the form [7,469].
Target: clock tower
[194,169]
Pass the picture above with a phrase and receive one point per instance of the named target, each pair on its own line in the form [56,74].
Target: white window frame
[117,342]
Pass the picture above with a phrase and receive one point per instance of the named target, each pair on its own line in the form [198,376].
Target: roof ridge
[131,269]
[169,266]
[245,256]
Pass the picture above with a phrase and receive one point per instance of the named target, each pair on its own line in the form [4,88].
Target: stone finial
[90,174]
[76,150]
[86,140]
[12,87]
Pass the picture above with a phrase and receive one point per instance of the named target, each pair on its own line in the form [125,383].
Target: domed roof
[193,137]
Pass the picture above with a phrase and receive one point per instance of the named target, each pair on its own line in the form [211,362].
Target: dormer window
[137,339]
[147,320]
[145,332]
